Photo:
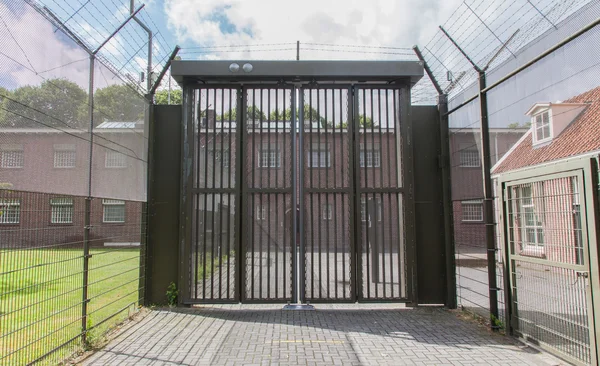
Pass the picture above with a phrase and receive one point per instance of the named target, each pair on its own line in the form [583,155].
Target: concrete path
[332,335]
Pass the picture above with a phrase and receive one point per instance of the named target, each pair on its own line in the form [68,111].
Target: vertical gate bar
[408,179]
[261,203]
[389,195]
[400,198]
[212,196]
[375,245]
[365,152]
[354,130]
[229,200]
[277,217]
[257,208]
[256,156]
[264,165]
[379,204]
[269,185]
[318,218]
[283,184]
[242,196]
[196,181]
[350,185]
[294,212]
[221,168]
[327,224]
[299,152]
[205,195]
[335,195]
[311,185]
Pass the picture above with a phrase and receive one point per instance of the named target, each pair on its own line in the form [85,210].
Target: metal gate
[298,194]
[550,238]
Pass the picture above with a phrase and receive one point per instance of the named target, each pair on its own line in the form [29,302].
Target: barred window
[327,211]
[64,156]
[113,211]
[61,210]
[269,158]
[469,156]
[363,208]
[10,211]
[261,212]
[115,159]
[11,156]
[370,158]
[530,221]
[472,210]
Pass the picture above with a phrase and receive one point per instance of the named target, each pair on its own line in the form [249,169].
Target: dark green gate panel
[163,202]
[431,259]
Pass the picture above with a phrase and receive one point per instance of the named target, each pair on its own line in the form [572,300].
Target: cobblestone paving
[379,334]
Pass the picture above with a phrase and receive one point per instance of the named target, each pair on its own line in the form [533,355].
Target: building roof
[110,124]
[579,137]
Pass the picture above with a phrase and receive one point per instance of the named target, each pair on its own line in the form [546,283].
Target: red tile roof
[581,136]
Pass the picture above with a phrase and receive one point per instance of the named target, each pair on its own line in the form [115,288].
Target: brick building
[546,215]
[44,181]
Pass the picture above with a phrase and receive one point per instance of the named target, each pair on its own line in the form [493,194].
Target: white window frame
[106,203]
[12,156]
[363,208]
[527,207]
[65,156]
[372,157]
[538,123]
[61,210]
[327,212]
[471,216]
[261,212]
[6,205]
[319,158]
[115,160]
[469,156]
[269,158]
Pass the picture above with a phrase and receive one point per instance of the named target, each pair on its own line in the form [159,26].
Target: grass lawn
[41,295]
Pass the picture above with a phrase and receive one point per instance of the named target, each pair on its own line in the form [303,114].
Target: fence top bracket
[201,71]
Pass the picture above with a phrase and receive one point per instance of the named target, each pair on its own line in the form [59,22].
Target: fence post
[88,207]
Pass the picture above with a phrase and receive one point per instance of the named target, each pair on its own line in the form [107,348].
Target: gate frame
[193,75]
[587,167]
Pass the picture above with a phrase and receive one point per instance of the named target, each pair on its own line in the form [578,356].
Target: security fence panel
[267,170]
[214,249]
[380,197]
[548,250]
[327,191]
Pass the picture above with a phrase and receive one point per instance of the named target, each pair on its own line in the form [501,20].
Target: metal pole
[294,202]
[428,70]
[461,50]
[488,203]
[153,88]
[118,29]
[88,209]
[488,28]
[297,50]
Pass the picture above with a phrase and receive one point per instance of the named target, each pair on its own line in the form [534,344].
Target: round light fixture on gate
[247,67]
[234,67]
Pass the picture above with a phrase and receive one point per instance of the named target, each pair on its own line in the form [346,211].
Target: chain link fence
[73,161]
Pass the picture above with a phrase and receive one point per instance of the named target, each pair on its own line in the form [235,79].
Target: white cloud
[37,49]
[401,23]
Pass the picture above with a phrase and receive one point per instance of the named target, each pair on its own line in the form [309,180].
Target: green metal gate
[549,221]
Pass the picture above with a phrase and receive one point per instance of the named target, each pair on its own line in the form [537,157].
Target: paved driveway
[332,335]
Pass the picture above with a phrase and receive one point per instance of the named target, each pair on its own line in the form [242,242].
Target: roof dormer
[548,120]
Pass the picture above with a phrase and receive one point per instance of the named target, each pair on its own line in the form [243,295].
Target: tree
[118,103]
[252,114]
[162,97]
[55,102]
[362,121]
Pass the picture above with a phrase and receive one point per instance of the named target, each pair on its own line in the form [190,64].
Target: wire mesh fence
[73,159]
[496,39]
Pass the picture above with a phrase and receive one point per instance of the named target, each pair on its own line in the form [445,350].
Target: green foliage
[496,322]
[172,294]
[362,121]
[516,125]
[118,103]
[56,102]
[252,114]
[162,97]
